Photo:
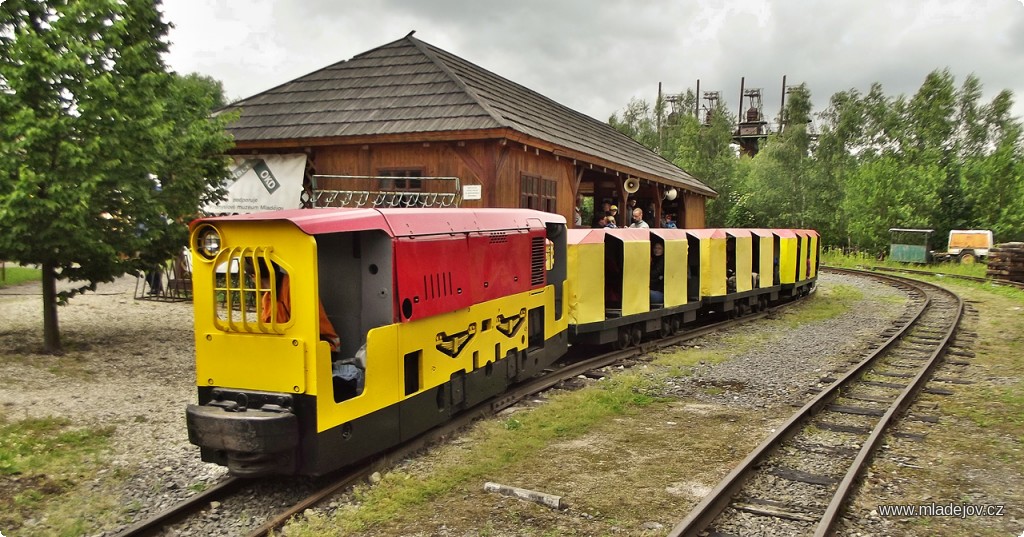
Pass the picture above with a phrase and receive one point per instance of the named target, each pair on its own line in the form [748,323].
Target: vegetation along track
[796,481]
[329,485]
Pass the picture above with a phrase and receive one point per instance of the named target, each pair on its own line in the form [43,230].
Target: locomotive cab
[356,291]
[324,336]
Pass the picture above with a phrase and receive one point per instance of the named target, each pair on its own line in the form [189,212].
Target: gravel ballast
[130,364]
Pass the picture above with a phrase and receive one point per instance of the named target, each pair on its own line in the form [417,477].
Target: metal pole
[782,110]
[696,105]
[657,110]
[739,118]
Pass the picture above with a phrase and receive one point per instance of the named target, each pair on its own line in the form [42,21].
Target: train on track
[324,336]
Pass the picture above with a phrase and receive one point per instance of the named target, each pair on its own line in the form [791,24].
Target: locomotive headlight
[207,242]
[211,243]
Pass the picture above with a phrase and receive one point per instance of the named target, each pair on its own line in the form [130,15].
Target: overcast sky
[594,55]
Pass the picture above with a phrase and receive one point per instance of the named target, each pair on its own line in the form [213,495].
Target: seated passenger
[658,274]
[284,308]
[730,262]
[348,374]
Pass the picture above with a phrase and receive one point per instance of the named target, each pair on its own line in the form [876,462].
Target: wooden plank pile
[1006,262]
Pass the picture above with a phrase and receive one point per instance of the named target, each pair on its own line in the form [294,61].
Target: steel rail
[896,409]
[494,405]
[701,516]
[995,281]
[485,409]
[165,518]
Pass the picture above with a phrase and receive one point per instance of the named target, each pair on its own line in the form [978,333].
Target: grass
[682,360]
[16,275]
[496,444]
[836,258]
[825,304]
[973,455]
[43,445]
[566,446]
[517,447]
[41,460]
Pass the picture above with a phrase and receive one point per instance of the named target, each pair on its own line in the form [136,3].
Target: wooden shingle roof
[409,86]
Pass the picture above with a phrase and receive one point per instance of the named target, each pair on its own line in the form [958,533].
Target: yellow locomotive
[435,310]
[324,336]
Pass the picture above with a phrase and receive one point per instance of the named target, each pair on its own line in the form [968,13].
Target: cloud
[595,56]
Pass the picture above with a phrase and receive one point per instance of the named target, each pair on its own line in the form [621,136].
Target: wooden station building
[410,118]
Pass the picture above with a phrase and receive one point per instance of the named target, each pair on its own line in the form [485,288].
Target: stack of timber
[1006,262]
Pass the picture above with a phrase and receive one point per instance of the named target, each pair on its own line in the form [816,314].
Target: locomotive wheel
[676,324]
[636,335]
[666,327]
[622,341]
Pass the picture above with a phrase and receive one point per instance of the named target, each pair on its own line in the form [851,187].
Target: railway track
[797,481]
[155,524]
[331,485]
[995,281]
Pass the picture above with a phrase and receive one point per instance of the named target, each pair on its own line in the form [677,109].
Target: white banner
[262,183]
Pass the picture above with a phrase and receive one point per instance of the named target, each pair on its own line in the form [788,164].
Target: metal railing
[444,192]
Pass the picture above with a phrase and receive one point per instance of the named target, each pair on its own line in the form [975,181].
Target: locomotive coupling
[252,431]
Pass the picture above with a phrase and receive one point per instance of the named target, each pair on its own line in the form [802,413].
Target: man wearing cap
[614,210]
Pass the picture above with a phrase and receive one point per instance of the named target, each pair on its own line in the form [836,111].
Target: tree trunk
[51,331]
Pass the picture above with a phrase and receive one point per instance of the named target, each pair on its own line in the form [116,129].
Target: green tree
[104,153]
[940,159]
[785,190]
[639,121]
[705,150]
[931,116]
[994,174]
[883,193]
[842,127]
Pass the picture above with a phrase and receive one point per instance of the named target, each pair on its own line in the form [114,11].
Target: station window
[538,193]
[402,180]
